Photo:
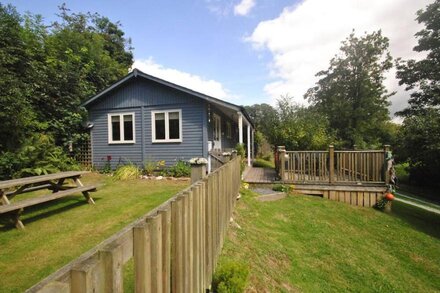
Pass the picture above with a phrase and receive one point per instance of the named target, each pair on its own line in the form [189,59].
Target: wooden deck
[354,193]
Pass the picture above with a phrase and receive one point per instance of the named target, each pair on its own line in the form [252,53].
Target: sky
[249,51]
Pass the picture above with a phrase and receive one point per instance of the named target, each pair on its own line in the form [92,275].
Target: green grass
[58,232]
[310,244]
[263,163]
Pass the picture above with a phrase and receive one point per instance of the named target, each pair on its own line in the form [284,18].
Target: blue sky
[248,51]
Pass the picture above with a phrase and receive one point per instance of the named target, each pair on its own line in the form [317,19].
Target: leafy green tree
[45,74]
[16,113]
[301,128]
[351,93]
[265,118]
[419,136]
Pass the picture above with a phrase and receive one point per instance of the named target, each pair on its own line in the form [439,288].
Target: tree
[265,119]
[16,115]
[301,128]
[419,136]
[423,77]
[351,93]
[45,74]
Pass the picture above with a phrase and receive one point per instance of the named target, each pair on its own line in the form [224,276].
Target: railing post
[331,167]
[386,174]
[282,162]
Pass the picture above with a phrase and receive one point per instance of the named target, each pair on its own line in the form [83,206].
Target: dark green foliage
[180,169]
[37,156]
[242,153]
[419,136]
[240,150]
[46,71]
[302,128]
[423,77]
[230,277]
[265,119]
[419,144]
[351,93]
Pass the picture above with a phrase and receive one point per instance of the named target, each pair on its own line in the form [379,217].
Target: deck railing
[175,247]
[330,166]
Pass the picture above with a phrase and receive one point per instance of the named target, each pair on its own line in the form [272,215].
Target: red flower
[109,158]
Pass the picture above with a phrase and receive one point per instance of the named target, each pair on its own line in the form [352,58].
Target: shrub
[230,277]
[402,172]
[180,169]
[283,188]
[127,172]
[263,163]
[151,166]
[38,155]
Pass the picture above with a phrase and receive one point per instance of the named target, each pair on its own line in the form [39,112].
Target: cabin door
[217,137]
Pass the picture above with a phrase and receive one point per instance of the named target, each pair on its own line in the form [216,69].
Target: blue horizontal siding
[139,92]
[143,96]
[192,135]
[119,152]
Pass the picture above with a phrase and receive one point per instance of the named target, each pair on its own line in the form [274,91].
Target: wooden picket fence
[175,247]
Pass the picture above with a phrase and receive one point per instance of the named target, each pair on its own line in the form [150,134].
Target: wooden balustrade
[175,247]
[332,166]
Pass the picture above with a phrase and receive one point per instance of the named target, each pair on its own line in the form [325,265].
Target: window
[166,126]
[228,130]
[121,128]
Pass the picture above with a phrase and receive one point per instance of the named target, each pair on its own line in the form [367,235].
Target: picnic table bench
[54,182]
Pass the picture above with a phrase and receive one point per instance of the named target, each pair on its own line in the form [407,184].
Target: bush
[283,188]
[150,166]
[180,169]
[38,155]
[127,172]
[263,163]
[402,172]
[230,277]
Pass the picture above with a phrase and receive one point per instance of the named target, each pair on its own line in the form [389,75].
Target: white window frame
[121,128]
[167,128]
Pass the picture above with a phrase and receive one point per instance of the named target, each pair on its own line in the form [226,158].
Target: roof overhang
[137,73]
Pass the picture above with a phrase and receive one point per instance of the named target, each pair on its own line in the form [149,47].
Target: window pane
[116,135]
[174,125]
[128,127]
[160,125]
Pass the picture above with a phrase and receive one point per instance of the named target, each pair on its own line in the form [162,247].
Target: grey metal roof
[137,73]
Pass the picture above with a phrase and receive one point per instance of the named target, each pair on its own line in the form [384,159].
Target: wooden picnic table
[54,182]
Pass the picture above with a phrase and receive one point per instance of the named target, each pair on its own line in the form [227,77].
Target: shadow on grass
[44,210]
[421,220]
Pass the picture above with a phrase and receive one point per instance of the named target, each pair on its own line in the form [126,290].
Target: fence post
[331,167]
[386,174]
[282,155]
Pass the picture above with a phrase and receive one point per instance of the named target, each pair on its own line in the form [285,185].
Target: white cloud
[194,82]
[304,37]
[244,7]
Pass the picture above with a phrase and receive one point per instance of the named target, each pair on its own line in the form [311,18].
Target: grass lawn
[309,244]
[60,231]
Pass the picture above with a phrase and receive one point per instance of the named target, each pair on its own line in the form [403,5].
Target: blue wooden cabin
[142,117]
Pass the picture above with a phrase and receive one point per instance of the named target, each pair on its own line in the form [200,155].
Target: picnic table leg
[85,193]
[18,223]
[57,186]
[4,198]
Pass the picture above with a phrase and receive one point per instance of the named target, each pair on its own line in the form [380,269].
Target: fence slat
[142,258]
[166,249]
